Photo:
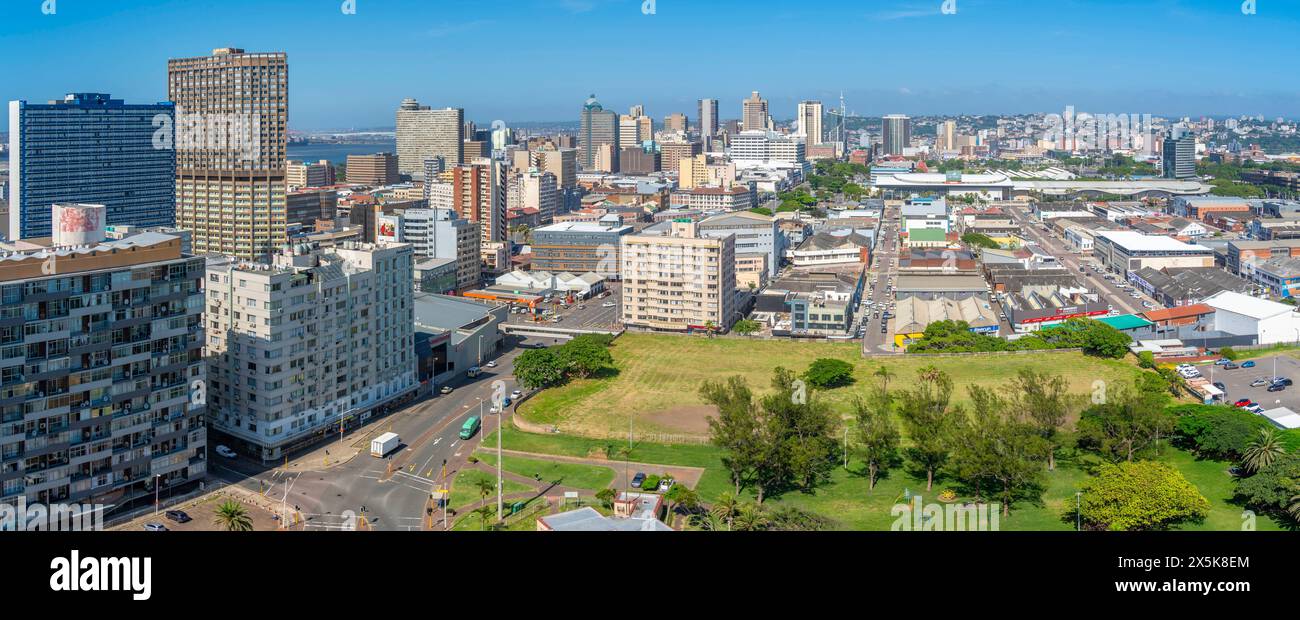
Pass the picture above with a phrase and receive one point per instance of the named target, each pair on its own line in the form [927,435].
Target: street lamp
[157,482]
[1078,511]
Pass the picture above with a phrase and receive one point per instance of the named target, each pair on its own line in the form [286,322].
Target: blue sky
[537,60]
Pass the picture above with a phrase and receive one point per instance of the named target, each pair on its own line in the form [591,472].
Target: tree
[1145,495]
[1294,505]
[803,429]
[681,496]
[1130,421]
[231,516]
[746,327]
[999,444]
[1228,353]
[829,373]
[1044,400]
[979,240]
[1271,489]
[885,374]
[751,517]
[726,508]
[737,429]
[877,436]
[606,497]
[1147,359]
[1217,431]
[928,421]
[539,368]
[585,356]
[1264,452]
[485,488]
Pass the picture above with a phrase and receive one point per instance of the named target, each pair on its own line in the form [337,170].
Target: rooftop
[1245,305]
[1148,243]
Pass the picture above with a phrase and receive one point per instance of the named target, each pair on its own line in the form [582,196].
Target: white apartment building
[766,148]
[316,340]
[674,280]
[440,233]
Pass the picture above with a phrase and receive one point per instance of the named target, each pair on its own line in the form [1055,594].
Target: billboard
[390,228]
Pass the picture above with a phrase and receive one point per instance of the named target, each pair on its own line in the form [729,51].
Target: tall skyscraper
[676,123]
[479,195]
[946,136]
[232,134]
[1179,153]
[708,116]
[754,113]
[897,133]
[424,133]
[810,122]
[635,128]
[599,128]
[90,148]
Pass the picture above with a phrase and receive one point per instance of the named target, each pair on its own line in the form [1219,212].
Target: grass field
[847,500]
[566,474]
[464,492]
[658,374]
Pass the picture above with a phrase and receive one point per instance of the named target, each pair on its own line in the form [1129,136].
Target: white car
[226,452]
[516,394]
[491,364]
[608,304]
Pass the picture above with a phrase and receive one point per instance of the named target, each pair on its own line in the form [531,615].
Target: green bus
[471,426]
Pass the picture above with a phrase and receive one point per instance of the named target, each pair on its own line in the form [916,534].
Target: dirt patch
[688,419]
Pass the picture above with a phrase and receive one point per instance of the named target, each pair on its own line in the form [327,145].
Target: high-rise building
[896,134]
[599,127]
[90,148]
[675,280]
[424,133]
[672,153]
[946,136]
[310,343]
[1179,153]
[230,183]
[103,377]
[754,113]
[304,207]
[539,190]
[708,115]
[635,128]
[676,123]
[479,195]
[563,163]
[300,174]
[374,170]
[810,122]
[639,160]
[767,148]
[442,234]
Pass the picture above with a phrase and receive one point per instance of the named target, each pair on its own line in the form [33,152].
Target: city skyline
[338,83]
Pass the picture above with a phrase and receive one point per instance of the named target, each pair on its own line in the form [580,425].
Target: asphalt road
[884,267]
[591,314]
[389,501]
[1072,261]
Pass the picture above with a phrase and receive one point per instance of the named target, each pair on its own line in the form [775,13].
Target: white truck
[382,445]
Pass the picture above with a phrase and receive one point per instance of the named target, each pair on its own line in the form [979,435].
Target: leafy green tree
[1228,353]
[585,356]
[1271,489]
[1002,445]
[793,519]
[1131,420]
[746,327]
[681,496]
[1147,359]
[1042,399]
[803,428]
[1145,495]
[539,368]
[979,240]
[485,487]
[1218,431]
[739,429]
[606,497]
[1265,451]
[827,373]
[877,435]
[929,421]
[231,516]
[751,517]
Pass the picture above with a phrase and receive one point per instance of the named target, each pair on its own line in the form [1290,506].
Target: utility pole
[500,485]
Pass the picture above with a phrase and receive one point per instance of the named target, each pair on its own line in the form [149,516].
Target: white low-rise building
[1243,315]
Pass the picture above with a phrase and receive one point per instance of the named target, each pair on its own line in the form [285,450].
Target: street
[884,268]
[390,494]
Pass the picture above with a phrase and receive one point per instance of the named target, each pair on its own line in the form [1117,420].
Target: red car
[1245,402]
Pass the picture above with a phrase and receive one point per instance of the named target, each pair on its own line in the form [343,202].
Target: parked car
[446,389]
[1256,409]
[226,452]
[1231,366]
[155,527]
[1220,385]
[665,484]
[1250,364]
[638,479]
[1283,381]
[1243,403]
[1259,383]
[491,364]
[608,304]
[178,516]
[1276,387]
[516,394]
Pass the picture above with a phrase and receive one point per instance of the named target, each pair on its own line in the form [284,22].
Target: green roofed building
[927,238]
[1126,322]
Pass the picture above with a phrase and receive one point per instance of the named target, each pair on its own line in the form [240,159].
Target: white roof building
[1241,315]
[1283,418]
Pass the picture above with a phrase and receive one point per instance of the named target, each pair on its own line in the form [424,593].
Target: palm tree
[885,375]
[1264,451]
[484,513]
[485,488]
[232,517]
[707,522]
[751,518]
[726,508]
[1294,508]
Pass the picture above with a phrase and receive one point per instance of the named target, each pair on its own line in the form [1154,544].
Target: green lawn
[847,500]
[464,492]
[659,373]
[567,474]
